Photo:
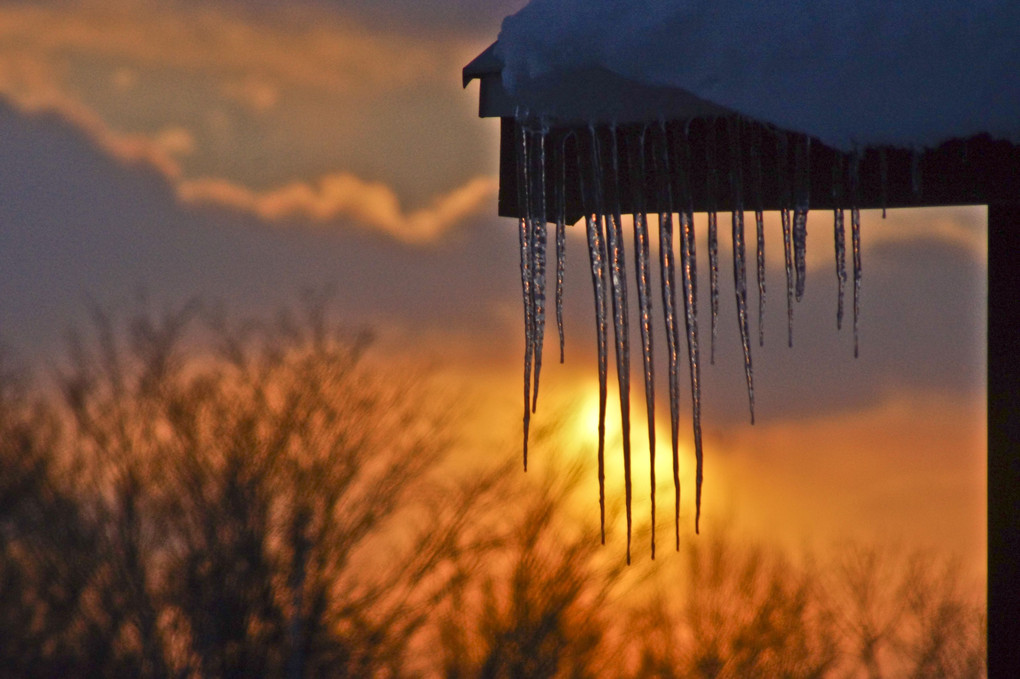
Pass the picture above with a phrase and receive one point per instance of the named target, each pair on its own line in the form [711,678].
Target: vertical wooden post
[1003,439]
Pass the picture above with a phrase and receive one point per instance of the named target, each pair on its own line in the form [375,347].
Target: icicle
[759,224]
[840,237]
[739,254]
[644,285]
[855,236]
[592,199]
[800,213]
[839,232]
[667,275]
[524,234]
[539,236]
[740,283]
[644,280]
[712,188]
[687,198]
[788,254]
[713,275]
[618,285]
[800,248]
[525,239]
[689,282]
[596,255]
[667,271]
[688,267]
[782,152]
[561,239]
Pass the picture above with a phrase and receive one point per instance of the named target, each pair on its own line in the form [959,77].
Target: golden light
[580,441]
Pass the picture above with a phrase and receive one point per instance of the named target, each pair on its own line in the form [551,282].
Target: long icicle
[667,275]
[688,267]
[759,225]
[839,237]
[524,229]
[802,171]
[739,255]
[740,283]
[592,199]
[539,235]
[713,276]
[713,231]
[618,285]
[784,216]
[855,236]
[644,285]
[561,238]
[689,278]
[782,151]
[855,232]
[800,215]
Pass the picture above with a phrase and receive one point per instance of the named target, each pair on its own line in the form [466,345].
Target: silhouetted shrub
[199,498]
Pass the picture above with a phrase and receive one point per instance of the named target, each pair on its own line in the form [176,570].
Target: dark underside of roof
[727,163]
[717,160]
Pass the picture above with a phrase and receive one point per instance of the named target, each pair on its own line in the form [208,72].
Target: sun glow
[581,436]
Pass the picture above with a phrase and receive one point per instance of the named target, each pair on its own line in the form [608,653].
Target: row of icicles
[606,252]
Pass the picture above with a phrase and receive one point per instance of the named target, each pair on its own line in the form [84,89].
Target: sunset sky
[241,151]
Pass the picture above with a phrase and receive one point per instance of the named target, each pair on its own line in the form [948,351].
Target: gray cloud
[79,225]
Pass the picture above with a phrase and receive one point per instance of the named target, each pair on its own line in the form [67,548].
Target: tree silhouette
[203,498]
[224,513]
[536,606]
[748,612]
[906,616]
[49,549]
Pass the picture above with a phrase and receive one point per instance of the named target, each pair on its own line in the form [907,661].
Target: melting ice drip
[610,171]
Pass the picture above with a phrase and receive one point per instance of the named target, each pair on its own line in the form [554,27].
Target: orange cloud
[333,197]
[132,149]
[961,225]
[343,195]
[258,61]
[309,50]
[256,93]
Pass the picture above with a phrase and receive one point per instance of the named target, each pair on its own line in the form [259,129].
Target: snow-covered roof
[851,73]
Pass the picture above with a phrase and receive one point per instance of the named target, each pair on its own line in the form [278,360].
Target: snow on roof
[852,73]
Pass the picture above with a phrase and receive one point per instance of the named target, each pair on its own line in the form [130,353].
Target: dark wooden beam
[1004,439]
[701,155]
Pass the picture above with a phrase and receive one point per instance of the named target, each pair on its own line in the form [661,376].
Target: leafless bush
[537,605]
[211,499]
[224,513]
